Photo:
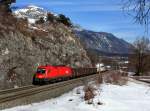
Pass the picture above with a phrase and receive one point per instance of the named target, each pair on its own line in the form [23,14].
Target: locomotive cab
[40,75]
[41,72]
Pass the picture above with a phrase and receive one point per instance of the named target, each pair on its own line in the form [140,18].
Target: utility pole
[99,70]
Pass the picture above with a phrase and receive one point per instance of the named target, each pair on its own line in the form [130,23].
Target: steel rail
[32,91]
[16,89]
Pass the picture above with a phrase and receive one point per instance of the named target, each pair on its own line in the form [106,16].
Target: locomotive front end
[39,76]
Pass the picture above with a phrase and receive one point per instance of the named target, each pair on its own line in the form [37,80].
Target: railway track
[16,89]
[30,94]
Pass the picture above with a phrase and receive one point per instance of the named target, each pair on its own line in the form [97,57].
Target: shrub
[50,17]
[65,20]
[115,77]
[40,21]
[89,94]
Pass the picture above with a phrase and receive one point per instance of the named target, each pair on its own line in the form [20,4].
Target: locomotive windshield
[42,71]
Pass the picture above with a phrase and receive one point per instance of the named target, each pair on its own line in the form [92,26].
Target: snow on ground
[130,97]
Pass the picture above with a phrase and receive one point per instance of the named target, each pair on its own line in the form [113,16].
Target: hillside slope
[24,46]
[103,42]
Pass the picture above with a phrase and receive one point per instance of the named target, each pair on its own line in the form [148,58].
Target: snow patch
[31,21]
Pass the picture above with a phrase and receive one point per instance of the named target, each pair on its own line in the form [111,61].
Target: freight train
[49,74]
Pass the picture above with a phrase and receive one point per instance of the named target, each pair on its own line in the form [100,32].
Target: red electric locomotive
[50,73]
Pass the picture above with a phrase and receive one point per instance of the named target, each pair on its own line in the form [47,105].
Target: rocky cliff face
[25,46]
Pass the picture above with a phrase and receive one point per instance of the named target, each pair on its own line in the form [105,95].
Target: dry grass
[89,94]
[116,78]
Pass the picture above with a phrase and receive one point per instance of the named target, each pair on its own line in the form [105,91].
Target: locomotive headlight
[67,72]
[40,76]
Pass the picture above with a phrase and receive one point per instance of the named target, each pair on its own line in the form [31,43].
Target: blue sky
[96,15]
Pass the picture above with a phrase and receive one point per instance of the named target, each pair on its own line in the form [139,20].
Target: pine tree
[50,17]
[40,21]
[65,20]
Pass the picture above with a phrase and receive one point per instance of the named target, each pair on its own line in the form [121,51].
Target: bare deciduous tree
[140,9]
[139,59]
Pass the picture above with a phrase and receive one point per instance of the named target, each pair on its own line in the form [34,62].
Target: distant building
[100,67]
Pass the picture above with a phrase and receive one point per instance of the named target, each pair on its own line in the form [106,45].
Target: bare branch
[140,58]
[139,9]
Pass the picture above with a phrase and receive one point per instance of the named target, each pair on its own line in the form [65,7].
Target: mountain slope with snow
[100,42]
[31,12]
[103,42]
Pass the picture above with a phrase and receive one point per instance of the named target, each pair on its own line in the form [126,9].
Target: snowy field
[130,97]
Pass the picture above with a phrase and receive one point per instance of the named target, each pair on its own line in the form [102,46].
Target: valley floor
[130,97]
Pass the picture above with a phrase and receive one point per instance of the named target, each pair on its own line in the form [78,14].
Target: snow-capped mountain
[103,42]
[97,41]
[32,13]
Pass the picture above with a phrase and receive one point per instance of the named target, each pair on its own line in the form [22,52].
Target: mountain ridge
[103,42]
